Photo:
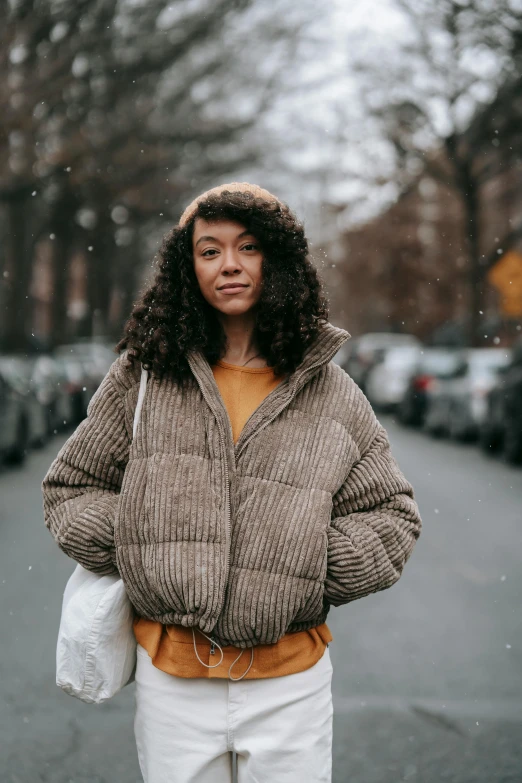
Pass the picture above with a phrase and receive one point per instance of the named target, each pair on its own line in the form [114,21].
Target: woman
[259,490]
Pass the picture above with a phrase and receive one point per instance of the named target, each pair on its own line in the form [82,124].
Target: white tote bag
[96,648]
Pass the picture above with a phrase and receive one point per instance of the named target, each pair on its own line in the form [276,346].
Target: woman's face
[226,254]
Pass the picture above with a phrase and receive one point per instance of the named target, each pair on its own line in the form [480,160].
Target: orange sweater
[171,647]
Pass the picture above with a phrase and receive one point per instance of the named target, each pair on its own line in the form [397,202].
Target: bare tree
[114,109]
[421,91]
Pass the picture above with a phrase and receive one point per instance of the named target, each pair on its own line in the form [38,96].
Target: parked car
[17,370]
[86,363]
[387,380]
[342,355]
[457,403]
[367,349]
[14,426]
[501,428]
[50,383]
[434,363]
[78,384]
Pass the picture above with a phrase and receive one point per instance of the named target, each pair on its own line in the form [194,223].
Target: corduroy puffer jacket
[245,541]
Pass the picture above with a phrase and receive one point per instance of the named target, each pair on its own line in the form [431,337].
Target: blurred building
[407,270]
[42,294]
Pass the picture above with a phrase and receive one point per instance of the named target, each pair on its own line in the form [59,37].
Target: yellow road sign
[506,276]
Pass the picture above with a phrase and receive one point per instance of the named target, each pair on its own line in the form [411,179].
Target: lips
[231,286]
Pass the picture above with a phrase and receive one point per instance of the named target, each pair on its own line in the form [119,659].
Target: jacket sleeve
[375,522]
[81,487]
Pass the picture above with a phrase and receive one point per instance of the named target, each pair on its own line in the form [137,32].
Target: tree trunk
[61,257]
[100,271]
[467,186]
[17,275]
[470,198]
[63,228]
[129,273]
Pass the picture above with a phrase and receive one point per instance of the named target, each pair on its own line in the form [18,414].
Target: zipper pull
[212,647]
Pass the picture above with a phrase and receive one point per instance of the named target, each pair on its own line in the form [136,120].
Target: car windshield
[74,351]
[488,360]
[405,355]
[15,367]
[372,341]
[440,363]
[17,371]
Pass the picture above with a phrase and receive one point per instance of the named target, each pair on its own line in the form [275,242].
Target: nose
[230,260]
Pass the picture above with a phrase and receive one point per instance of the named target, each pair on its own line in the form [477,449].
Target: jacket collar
[320,352]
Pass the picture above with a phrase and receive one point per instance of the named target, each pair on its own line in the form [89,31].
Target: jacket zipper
[277,412]
[227,479]
[227,494]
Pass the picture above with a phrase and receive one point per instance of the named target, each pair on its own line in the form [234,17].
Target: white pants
[280,728]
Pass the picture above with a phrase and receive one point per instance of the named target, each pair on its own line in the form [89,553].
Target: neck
[239,330]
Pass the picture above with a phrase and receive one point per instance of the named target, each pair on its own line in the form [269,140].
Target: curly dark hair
[172,317]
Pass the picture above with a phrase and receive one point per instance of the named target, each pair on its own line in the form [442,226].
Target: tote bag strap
[141,395]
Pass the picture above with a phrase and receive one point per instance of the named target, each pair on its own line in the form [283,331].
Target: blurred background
[393,128]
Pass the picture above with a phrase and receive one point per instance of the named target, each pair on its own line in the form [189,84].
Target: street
[427,675]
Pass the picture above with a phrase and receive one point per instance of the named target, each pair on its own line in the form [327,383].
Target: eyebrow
[213,239]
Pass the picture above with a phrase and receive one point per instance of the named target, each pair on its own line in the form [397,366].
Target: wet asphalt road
[427,675]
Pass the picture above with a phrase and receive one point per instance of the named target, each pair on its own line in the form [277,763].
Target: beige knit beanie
[241,187]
